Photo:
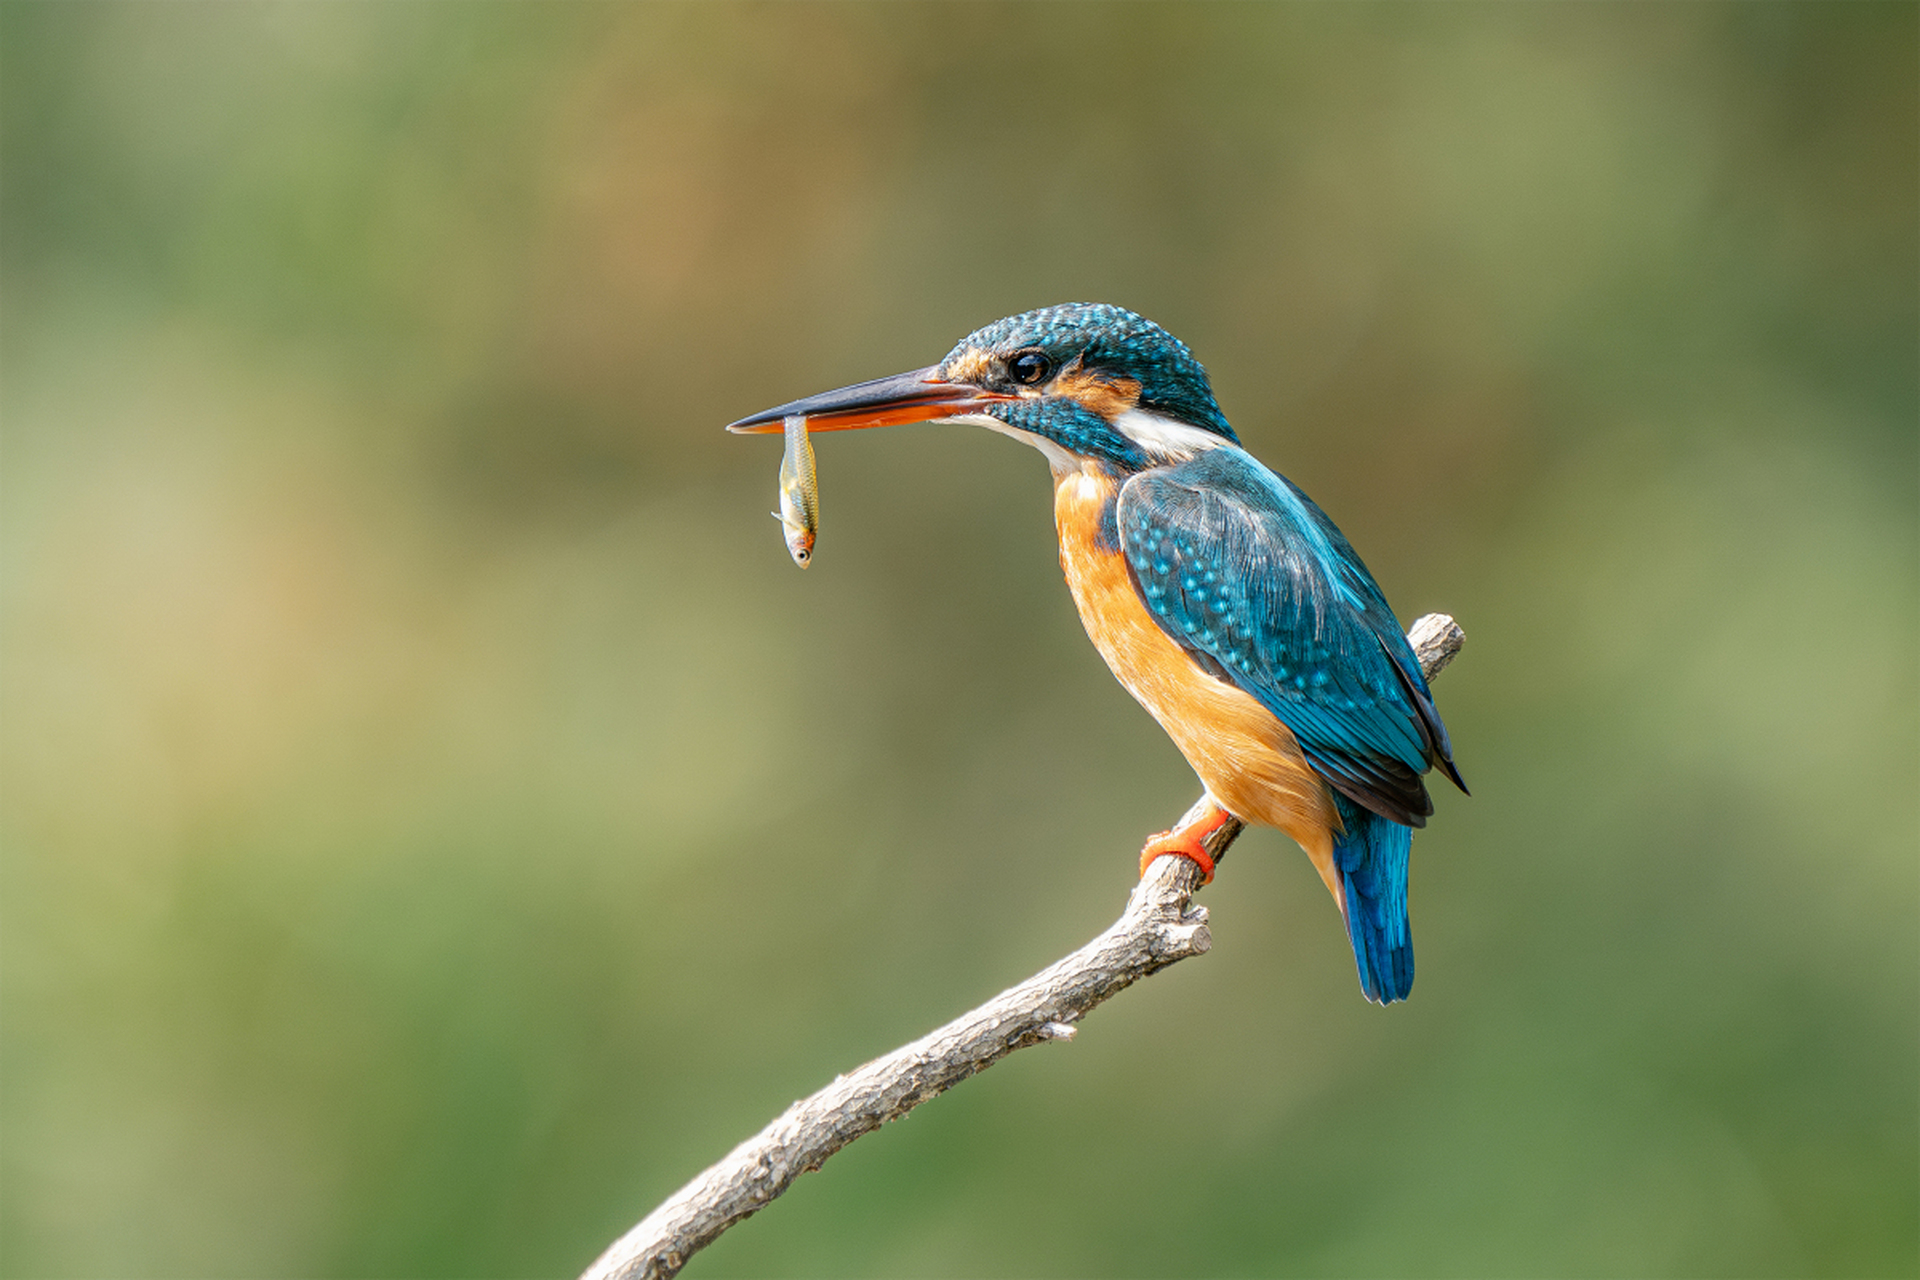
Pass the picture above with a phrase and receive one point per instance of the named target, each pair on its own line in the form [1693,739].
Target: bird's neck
[1084,497]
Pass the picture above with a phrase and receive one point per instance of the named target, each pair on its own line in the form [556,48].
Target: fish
[799,513]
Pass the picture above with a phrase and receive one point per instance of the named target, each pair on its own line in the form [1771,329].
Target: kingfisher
[1222,598]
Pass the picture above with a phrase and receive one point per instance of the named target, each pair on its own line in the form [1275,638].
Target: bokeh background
[439,819]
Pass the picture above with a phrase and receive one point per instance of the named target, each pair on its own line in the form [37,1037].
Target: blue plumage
[1247,574]
[1239,566]
[1113,340]
[1077,429]
[1250,580]
[1372,855]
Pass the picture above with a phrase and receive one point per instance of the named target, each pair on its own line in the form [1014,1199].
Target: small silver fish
[799,513]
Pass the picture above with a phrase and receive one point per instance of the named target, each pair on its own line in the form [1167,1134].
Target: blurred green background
[439,819]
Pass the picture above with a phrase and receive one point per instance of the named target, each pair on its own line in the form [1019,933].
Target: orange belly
[1246,758]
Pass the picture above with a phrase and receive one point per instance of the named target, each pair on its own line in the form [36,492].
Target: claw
[1189,841]
[1181,844]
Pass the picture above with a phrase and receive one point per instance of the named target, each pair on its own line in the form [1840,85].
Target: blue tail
[1372,858]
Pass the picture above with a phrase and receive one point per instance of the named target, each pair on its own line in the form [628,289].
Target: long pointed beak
[883,402]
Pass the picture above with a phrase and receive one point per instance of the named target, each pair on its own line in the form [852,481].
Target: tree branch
[1160,926]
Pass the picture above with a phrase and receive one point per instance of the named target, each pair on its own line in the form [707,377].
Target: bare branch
[1160,926]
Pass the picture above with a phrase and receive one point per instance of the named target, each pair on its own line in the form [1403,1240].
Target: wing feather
[1244,571]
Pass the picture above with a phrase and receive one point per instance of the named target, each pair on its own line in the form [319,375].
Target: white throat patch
[1162,436]
[1059,459]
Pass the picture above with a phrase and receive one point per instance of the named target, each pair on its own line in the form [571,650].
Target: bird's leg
[1189,840]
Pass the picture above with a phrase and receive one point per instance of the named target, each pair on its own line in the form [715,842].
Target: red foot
[1188,842]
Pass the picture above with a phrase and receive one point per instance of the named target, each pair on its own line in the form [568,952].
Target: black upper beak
[882,402]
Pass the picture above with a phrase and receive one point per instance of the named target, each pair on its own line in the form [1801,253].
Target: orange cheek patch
[1107,397]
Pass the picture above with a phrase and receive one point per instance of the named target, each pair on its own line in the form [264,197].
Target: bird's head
[1084,381]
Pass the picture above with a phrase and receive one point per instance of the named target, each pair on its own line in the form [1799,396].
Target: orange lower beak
[883,402]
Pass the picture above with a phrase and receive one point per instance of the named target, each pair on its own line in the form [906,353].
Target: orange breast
[1242,753]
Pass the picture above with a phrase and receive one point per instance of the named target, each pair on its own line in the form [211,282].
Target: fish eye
[1029,367]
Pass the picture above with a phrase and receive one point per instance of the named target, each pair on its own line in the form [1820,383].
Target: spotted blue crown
[1116,342]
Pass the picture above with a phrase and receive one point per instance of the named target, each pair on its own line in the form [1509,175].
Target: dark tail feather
[1372,858]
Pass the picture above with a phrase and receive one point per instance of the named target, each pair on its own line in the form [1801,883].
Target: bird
[1222,598]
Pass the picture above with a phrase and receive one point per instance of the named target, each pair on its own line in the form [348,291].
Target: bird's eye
[1029,367]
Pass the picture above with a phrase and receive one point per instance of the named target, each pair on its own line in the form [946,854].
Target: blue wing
[1249,576]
